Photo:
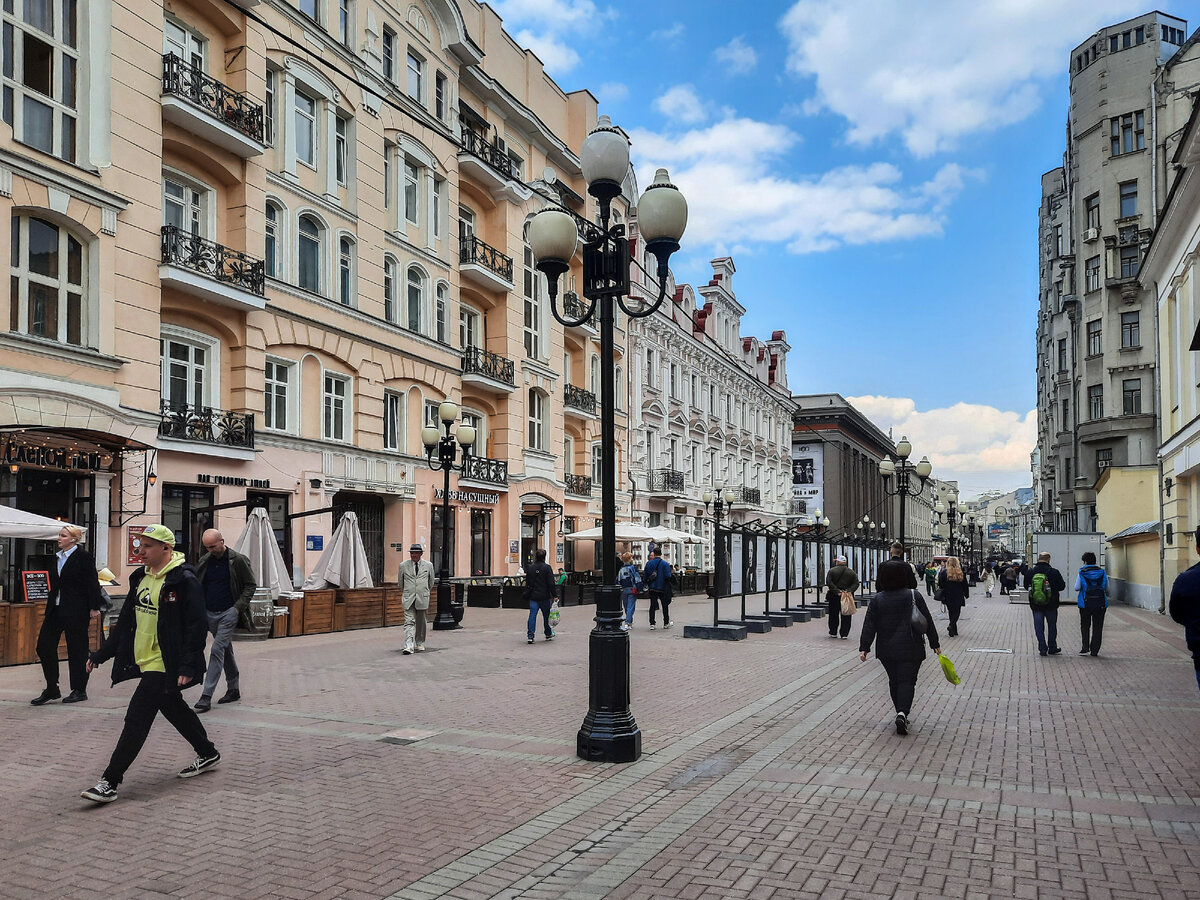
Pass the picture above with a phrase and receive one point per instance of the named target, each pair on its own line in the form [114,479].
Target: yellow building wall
[1126,495]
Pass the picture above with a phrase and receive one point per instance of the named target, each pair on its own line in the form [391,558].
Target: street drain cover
[988,650]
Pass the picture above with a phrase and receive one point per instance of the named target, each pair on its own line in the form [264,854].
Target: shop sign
[468,496]
[37,586]
[133,544]
[234,481]
[314,542]
[56,457]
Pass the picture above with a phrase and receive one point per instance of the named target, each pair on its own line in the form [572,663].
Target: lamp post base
[444,621]
[609,732]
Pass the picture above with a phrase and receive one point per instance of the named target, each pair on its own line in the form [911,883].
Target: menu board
[36,585]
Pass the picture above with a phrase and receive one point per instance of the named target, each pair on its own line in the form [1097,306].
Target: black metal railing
[186,422]
[578,398]
[752,496]
[574,308]
[182,79]
[666,480]
[189,251]
[477,145]
[471,250]
[480,468]
[477,361]
[578,484]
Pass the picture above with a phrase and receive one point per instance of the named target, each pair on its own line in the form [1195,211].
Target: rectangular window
[1139,35]
[674,381]
[343,176]
[649,368]
[435,542]
[532,308]
[269,108]
[277,381]
[1092,207]
[1131,396]
[1095,343]
[1131,330]
[1058,240]
[309,8]
[411,179]
[1129,262]
[387,178]
[393,420]
[1066,416]
[597,464]
[306,129]
[416,76]
[389,54]
[439,96]
[335,407]
[432,419]
[1128,198]
[1091,274]
[481,542]
[1104,458]
[344,22]
[569,548]
[439,191]
[1127,133]
[1096,402]
[1062,354]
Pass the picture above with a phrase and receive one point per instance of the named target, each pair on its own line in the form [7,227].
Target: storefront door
[529,537]
[186,510]
[369,510]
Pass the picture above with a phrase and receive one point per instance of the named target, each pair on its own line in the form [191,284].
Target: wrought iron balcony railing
[578,484]
[752,496]
[189,251]
[182,79]
[472,250]
[480,468]
[477,145]
[666,480]
[578,398]
[574,308]
[477,361]
[186,422]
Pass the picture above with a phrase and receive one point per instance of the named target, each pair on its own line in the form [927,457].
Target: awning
[16,523]
[626,531]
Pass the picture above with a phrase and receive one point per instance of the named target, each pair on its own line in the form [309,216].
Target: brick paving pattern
[771,769]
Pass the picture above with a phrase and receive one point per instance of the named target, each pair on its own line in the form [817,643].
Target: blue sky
[873,167]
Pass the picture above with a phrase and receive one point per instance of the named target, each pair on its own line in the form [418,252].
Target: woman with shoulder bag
[840,580]
[898,622]
[952,585]
[630,582]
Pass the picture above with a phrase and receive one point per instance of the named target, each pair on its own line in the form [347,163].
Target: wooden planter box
[20,639]
[364,607]
[393,605]
[339,616]
[279,625]
[3,634]
[318,612]
[295,617]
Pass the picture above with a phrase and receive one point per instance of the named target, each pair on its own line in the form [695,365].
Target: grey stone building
[1131,93]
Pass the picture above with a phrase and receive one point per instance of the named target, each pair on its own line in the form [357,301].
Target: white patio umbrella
[344,563]
[258,543]
[626,531]
[16,523]
[664,535]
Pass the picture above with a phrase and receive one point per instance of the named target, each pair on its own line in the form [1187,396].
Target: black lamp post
[904,470]
[446,446]
[609,732]
[719,502]
[819,525]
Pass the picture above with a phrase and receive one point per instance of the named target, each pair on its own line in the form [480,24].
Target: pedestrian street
[770,768]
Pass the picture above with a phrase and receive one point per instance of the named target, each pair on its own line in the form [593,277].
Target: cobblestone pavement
[771,769]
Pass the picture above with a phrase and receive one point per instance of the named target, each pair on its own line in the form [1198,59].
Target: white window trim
[324,266]
[213,366]
[397,287]
[442,286]
[422,71]
[468,309]
[479,447]
[425,326]
[293,396]
[208,195]
[402,423]
[89,323]
[347,411]
[352,300]
[283,233]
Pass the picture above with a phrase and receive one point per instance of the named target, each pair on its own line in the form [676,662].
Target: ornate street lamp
[951,515]
[609,732]
[903,470]
[446,445]
[719,502]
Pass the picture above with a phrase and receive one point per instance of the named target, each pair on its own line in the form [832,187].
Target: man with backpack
[1092,587]
[539,594]
[657,575]
[1044,582]
[1185,607]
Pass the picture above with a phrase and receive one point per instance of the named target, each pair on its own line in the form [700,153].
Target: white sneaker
[651,626]
[407,649]
[667,624]
[420,648]
[624,627]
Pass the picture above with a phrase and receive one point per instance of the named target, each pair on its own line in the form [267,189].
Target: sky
[873,167]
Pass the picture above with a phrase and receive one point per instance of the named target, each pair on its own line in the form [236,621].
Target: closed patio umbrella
[664,535]
[258,543]
[16,523]
[626,531]
[344,563]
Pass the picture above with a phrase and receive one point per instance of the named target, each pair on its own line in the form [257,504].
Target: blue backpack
[1093,588]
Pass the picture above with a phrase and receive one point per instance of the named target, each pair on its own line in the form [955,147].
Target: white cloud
[734,196]
[672,32]
[980,446]
[556,55]
[738,56]
[612,92]
[552,28]
[935,71]
[682,104]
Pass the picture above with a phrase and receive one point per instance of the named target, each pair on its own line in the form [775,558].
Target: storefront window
[435,541]
[187,511]
[481,542]
[569,549]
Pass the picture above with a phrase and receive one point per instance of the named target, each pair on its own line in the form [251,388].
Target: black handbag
[917,621]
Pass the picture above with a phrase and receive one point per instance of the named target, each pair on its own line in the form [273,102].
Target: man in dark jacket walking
[159,638]
[228,583]
[539,593]
[74,602]
[906,578]
[840,578]
[657,577]
[1043,600]
[1184,608]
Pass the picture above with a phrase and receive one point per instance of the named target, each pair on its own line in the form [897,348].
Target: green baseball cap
[160,533]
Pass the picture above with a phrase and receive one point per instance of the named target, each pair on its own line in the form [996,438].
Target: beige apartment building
[255,244]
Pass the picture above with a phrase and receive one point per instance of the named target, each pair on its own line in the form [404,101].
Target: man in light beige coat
[416,582]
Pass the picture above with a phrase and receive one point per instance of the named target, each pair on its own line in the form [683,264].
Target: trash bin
[458,603]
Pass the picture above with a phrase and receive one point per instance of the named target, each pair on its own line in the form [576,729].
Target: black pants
[54,625]
[663,597]
[1093,620]
[838,624]
[902,682]
[953,610]
[152,696]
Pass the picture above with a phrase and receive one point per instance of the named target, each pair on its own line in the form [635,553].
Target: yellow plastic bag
[948,670]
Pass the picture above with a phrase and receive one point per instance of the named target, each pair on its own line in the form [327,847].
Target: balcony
[484,264]
[665,481]
[750,496]
[488,371]
[204,106]
[574,308]
[205,425]
[206,269]
[487,164]
[578,402]
[580,485]
[487,471]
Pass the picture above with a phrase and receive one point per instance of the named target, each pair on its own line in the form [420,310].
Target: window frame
[1131,397]
[65,142]
[416,73]
[1095,337]
[412,191]
[394,431]
[22,277]
[211,367]
[1127,193]
[1091,274]
[291,395]
[314,5]
[1095,397]
[1131,330]
[319,252]
[419,284]
[388,49]
[535,419]
[329,402]
[313,120]
[341,155]
[347,270]
[441,312]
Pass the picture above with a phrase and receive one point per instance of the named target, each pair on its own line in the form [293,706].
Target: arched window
[346,271]
[416,298]
[595,373]
[568,455]
[439,314]
[49,282]
[597,463]
[537,420]
[274,241]
[309,254]
[390,311]
[618,388]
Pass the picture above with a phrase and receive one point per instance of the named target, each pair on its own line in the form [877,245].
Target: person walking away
[416,584]
[1184,607]
[955,590]
[989,580]
[74,602]
[931,574]
[1010,579]
[158,639]
[840,578]
[629,579]
[896,562]
[228,583]
[888,625]
[1044,582]
[657,577]
[1092,587]
[539,593]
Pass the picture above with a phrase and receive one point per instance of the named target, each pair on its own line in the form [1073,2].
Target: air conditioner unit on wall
[1090,234]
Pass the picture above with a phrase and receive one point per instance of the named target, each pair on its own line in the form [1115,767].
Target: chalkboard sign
[37,585]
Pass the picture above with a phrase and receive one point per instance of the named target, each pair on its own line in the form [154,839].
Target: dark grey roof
[1135,530]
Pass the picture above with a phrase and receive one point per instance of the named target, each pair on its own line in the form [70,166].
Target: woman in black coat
[955,590]
[74,602]
[888,624]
